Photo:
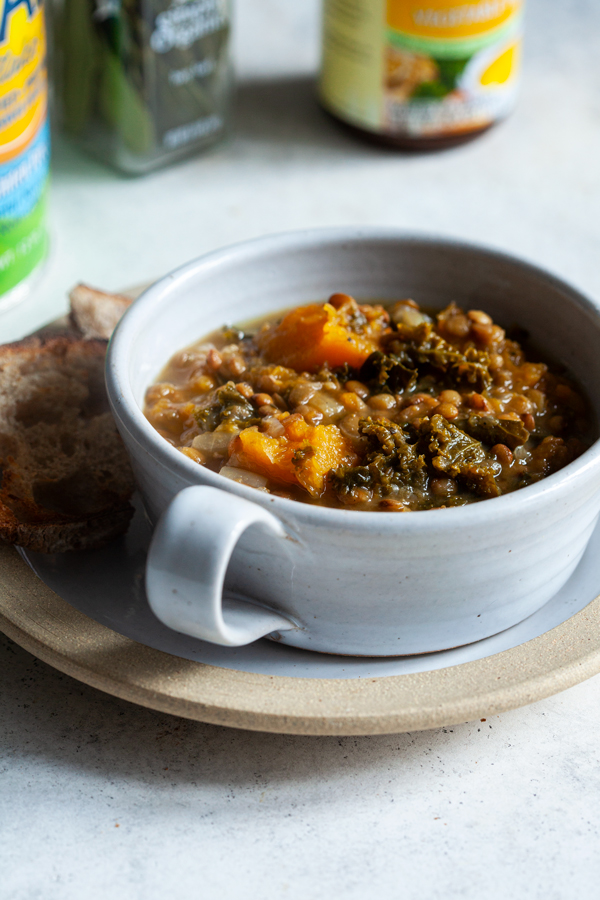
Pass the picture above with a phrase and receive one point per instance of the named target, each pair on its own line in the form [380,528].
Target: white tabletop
[102,798]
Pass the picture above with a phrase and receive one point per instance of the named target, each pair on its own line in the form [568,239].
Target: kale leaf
[226,406]
[387,372]
[490,430]
[422,346]
[390,461]
[416,351]
[457,455]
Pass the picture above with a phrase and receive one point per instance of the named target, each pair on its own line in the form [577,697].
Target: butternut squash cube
[303,455]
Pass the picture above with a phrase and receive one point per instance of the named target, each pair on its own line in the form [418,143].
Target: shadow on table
[51,717]
[286,111]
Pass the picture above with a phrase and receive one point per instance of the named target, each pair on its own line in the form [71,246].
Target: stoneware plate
[86,614]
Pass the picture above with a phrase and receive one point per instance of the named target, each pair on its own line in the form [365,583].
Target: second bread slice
[66,480]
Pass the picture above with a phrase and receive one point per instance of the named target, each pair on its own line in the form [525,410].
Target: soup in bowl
[356,406]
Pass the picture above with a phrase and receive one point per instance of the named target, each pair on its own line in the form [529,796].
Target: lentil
[262,399]
[503,454]
[358,388]
[450,397]
[481,318]
[214,359]
[245,389]
[382,402]
[447,410]
[352,401]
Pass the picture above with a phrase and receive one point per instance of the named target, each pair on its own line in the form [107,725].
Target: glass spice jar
[143,83]
[421,74]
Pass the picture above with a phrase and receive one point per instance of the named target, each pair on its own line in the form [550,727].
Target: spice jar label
[180,26]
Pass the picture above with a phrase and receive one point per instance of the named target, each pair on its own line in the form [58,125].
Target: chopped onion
[215,442]
[404,314]
[349,425]
[272,426]
[243,476]
[302,392]
[326,404]
[521,454]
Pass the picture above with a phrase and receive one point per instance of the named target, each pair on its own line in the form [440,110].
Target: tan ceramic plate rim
[47,626]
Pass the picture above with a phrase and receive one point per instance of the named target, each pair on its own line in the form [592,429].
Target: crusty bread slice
[95,313]
[66,479]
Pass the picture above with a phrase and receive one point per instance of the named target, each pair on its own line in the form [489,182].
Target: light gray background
[509,807]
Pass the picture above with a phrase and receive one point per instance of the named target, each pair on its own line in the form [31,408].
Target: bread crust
[66,480]
[95,313]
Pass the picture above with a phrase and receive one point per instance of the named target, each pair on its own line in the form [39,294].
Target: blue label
[22,180]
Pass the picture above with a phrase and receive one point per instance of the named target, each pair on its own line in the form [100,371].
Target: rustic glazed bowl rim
[132,417]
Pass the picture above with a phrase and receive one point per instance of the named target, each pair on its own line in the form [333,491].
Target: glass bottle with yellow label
[421,73]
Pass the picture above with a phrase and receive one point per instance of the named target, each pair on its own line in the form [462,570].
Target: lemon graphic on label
[500,70]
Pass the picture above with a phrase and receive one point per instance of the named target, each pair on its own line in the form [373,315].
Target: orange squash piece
[303,455]
[335,333]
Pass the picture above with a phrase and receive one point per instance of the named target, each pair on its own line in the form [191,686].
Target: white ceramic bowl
[341,581]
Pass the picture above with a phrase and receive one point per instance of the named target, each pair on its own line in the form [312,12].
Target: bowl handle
[187,561]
